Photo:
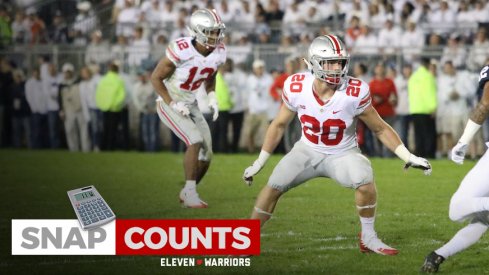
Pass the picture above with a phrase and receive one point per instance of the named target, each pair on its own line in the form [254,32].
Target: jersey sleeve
[179,50]
[364,98]
[287,97]
[221,48]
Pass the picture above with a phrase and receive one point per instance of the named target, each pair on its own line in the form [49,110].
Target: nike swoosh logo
[335,112]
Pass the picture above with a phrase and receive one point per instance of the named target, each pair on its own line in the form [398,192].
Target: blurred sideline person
[189,62]
[71,111]
[110,96]
[328,104]
[471,200]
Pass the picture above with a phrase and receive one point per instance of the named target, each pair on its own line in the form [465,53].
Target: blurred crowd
[105,100]
[85,109]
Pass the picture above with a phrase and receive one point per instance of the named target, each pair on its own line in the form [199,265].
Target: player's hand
[251,171]
[458,153]
[419,163]
[180,107]
[213,105]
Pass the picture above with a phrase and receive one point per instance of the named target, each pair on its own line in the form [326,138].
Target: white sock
[190,184]
[464,238]
[367,225]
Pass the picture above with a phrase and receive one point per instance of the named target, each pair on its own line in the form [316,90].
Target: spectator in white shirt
[479,51]
[259,100]
[127,19]
[93,116]
[139,49]
[376,16]
[293,20]
[402,107]
[443,20]
[454,52]
[98,51]
[463,15]
[144,101]
[366,43]
[453,91]
[37,102]
[51,81]
[180,29]
[480,13]
[389,38]
[76,126]
[86,20]
[412,42]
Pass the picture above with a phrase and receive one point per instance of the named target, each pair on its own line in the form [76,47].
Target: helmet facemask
[319,67]
[210,37]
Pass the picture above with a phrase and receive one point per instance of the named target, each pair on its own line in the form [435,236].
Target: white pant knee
[459,210]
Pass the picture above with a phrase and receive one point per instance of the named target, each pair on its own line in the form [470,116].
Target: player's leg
[205,151]
[296,167]
[186,129]
[472,195]
[358,174]
[464,238]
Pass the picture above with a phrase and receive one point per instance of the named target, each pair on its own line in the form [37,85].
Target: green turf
[313,230]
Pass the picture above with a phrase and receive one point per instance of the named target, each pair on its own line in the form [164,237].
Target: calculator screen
[84,195]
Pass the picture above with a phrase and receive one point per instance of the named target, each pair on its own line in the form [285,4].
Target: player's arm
[273,136]
[163,70]
[210,87]
[478,116]
[391,140]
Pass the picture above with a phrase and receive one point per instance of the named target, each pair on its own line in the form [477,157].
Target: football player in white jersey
[328,103]
[189,63]
[471,200]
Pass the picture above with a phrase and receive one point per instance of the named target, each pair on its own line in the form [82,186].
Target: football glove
[213,105]
[458,153]
[419,163]
[251,171]
[180,107]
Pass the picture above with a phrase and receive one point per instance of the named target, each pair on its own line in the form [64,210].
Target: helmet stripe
[216,17]
[337,45]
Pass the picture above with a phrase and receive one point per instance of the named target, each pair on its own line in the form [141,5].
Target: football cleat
[190,199]
[372,243]
[432,263]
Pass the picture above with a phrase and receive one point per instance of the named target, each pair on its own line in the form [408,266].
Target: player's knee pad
[205,155]
[367,206]
[266,215]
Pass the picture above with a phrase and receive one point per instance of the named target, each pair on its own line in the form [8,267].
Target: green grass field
[314,229]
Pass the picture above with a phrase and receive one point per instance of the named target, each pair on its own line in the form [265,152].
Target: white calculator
[91,209]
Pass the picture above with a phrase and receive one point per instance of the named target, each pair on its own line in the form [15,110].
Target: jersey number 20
[322,131]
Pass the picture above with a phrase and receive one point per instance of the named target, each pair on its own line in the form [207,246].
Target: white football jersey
[192,68]
[328,127]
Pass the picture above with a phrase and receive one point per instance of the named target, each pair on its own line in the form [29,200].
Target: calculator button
[94,220]
[102,217]
[99,214]
[93,216]
[84,214]
[108,214]
[86,222]
[85,219]
[105,208]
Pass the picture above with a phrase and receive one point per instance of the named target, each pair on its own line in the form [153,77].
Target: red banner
[187,237]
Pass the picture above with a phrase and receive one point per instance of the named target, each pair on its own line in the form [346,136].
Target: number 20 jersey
[328,127]
[192,68]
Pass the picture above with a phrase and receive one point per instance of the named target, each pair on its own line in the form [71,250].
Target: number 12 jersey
[192,68]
